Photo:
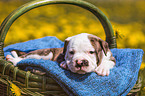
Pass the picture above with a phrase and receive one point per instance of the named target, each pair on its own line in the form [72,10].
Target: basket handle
[110,38]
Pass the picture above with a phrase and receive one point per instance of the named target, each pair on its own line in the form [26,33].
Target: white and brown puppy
[81,54]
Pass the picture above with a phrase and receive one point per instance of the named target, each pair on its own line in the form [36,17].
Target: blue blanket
[120,81]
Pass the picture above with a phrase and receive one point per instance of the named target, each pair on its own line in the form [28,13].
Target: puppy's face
[86,53]
[80,55]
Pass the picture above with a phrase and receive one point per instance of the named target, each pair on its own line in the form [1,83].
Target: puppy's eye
[91,52]
[71,52]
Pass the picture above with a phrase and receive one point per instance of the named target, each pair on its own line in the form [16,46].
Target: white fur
[36,56]
[15,59]
[105,66]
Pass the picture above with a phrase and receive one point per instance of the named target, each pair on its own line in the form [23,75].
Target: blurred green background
[127,18]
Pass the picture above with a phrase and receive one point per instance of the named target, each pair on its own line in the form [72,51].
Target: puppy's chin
[78,70]
[81,72]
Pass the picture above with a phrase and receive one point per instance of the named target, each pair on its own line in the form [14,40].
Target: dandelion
[15,90]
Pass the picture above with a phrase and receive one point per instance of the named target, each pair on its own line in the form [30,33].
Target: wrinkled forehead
[80,42]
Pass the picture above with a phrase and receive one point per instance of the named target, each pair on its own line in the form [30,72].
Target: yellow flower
[15,90]
[142,65]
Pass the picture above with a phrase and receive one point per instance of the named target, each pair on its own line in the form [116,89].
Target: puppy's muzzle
[81,63]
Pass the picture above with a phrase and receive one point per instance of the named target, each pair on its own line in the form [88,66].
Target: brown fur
[43,52]
[99,45]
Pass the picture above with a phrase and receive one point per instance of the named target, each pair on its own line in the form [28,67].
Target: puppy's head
[83,52]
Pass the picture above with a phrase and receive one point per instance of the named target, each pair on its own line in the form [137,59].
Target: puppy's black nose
[80,63]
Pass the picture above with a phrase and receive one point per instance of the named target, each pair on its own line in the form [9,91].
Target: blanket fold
[120,81]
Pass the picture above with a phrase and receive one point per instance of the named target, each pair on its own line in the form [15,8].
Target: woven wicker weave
[38,84]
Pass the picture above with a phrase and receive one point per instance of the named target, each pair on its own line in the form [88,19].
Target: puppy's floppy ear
[65,44]
[99,45]
[104,46]
[61,57]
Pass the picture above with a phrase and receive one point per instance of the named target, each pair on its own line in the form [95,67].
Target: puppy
[83,53]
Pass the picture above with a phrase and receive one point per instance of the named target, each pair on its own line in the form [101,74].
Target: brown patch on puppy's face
[99,46]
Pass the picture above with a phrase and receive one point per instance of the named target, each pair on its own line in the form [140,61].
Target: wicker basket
[32,83]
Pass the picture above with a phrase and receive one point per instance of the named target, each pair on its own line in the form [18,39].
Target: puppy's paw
[63,65]
[14,59]
[102,70]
